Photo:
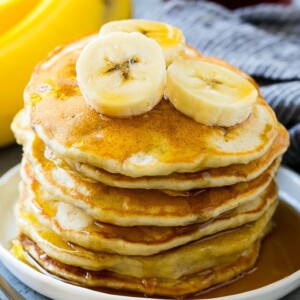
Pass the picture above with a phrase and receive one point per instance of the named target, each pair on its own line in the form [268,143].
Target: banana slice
[225,64]
[122,74]
[209,93]
[191,52]
[170,38]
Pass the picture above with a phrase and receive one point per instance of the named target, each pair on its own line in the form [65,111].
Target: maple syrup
[279,257]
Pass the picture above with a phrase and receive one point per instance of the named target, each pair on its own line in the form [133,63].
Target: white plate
[289,186]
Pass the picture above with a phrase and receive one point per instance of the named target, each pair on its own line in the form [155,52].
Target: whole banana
[11,11]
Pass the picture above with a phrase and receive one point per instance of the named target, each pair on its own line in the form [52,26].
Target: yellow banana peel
[42,25]
[12,11]
[117,10]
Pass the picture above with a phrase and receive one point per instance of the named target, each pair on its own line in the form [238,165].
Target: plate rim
[9,260]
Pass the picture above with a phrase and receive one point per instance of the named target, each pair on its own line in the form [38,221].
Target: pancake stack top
[156,202]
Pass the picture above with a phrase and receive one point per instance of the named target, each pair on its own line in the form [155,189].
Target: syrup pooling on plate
[279,258]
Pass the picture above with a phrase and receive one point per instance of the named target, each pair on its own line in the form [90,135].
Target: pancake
[147,286]
[187,181]
[156,203]
[72,224]
[191,258]
[174,182]
[161,142]
[130,207]
[22,129]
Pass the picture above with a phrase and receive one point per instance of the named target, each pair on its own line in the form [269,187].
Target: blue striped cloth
[262,40]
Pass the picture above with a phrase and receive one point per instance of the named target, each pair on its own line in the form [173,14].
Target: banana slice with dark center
[122,74]
[209,93]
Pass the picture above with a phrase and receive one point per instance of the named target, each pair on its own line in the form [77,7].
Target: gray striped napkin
[262,40]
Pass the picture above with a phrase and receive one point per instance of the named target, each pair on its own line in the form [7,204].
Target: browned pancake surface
[157,143]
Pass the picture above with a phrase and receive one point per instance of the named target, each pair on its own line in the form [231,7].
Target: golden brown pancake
[74,225]
[157,204]
[187,181]
[161,142]
[174,182]
[130,207]
[147,286]
[188,259]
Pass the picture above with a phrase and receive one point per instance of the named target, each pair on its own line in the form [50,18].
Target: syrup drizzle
[279,257]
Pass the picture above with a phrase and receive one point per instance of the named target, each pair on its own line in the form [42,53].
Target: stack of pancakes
[156,204]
